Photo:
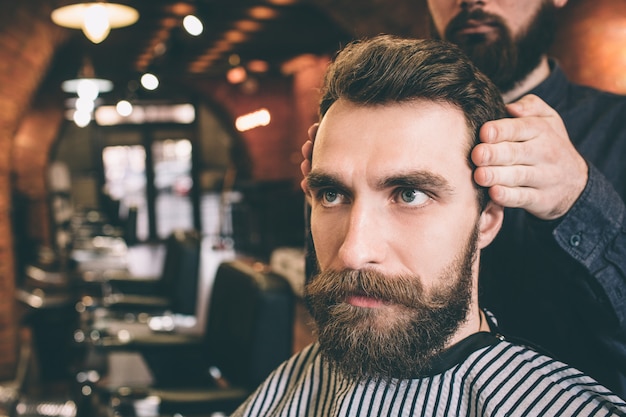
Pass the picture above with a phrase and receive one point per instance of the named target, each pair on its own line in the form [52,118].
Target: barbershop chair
[12,390]
[123,316]
[249,333]
[121,292]
[109,327]
[28,393]
[47,296]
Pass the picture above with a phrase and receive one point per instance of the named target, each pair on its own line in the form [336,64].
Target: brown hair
[388,69]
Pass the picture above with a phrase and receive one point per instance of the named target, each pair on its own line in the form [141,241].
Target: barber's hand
[529,162]
[307,154]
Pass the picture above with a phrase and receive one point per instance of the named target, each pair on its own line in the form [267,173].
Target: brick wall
[33,139]
[591,43]
[27,43]
[270,148]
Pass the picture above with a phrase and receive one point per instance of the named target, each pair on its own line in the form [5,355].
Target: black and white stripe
[502,379]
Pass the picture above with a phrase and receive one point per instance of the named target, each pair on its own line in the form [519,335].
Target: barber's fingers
[307,150]
[530,105]
[307,154]
[305,167]
[510,176]
[528,160]
[534,200]
[505,154]
[519,197]
[530,117]
[312,132]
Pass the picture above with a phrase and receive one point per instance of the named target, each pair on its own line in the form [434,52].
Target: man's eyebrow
[414,179]
[317,180]
[417,179]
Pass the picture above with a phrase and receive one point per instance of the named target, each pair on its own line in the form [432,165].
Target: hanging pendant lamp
[96,19]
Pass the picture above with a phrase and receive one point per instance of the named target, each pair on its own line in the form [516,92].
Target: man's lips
[475,26]
[364,301]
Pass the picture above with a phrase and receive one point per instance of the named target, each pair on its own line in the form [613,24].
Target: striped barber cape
[483,375]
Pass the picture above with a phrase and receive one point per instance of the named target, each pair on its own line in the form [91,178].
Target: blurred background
[192,119]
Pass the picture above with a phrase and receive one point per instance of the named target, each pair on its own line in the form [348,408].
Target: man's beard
[371,342]
[506,61]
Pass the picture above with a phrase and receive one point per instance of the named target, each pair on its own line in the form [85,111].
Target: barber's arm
[593,232]
[528,161]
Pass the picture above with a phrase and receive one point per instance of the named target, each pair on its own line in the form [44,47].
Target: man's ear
[489,223]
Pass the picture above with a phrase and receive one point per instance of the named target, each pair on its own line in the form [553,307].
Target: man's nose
[471,4]
[363,244]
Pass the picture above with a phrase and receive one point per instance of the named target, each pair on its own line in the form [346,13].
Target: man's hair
[387,69]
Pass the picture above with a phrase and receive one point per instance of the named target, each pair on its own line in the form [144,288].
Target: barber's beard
[506,61]
[400,339]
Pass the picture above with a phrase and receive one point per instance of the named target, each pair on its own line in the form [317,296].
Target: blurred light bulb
[96,24]
[236,75]
[82,118]
[124,108]
[87,89]
[84,105]
[149,81]
[249,121]
[193,25]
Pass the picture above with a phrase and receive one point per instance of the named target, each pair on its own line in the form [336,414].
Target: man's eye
[412,196]
[330,197]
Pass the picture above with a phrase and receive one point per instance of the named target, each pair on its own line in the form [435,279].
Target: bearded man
[398,225]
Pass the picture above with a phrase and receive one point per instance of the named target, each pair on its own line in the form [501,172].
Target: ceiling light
[149,81]
[236,75]
[248,25]
[95,19]
[193,25]
[85,87]
[235,36]
[234,60]
[258,66]
[84,105]
[81,118]
[262,12]
[124,108]
[249,121]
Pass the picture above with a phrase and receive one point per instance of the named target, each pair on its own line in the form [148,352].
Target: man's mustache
[335,286]
[467,19]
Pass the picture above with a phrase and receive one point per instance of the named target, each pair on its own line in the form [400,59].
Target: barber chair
[46,297]
[249,333]
[19,399]
[123,317]
[127,291]
[12,390]
[29,393]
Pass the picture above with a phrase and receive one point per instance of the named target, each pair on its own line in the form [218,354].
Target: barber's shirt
[483,375]
[562,284]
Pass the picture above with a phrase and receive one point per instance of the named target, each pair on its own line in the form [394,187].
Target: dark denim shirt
[562,284]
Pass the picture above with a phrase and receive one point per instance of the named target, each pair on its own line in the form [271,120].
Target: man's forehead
[411,129]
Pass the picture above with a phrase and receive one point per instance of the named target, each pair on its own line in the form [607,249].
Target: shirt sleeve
[594,234]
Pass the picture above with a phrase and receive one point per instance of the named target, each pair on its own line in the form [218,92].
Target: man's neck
[532,80]
[475,322]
